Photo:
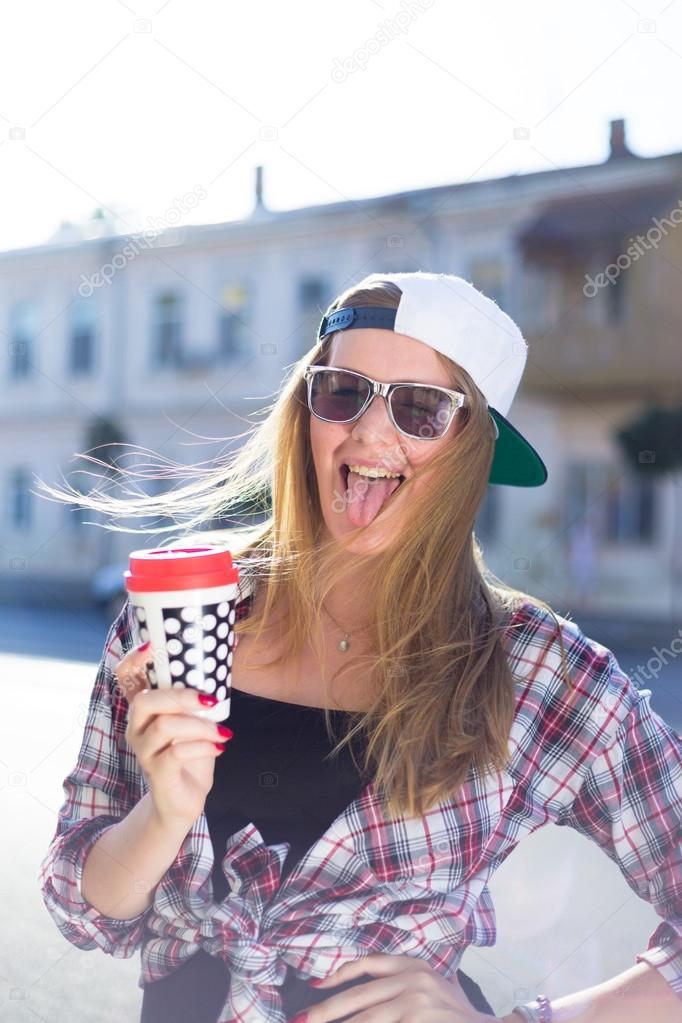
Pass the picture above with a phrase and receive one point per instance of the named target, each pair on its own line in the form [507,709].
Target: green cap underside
[515,463]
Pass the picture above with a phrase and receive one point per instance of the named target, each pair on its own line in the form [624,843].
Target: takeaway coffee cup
[183,600]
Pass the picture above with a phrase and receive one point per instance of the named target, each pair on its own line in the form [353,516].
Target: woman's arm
[128,860]
[638,995]
[630,804]
[100,791]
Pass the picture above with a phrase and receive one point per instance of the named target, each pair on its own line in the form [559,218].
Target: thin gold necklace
[343,644]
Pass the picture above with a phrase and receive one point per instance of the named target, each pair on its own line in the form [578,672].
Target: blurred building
[186,337]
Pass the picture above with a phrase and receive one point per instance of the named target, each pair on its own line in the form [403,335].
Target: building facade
[179,343]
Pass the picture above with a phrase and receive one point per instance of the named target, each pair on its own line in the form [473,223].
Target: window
[75,517]
[22,332]
[606,299]
[539,304]
[616,294]
[158,486]
[311,293]
[167,329]
[488,276]
[233,324]
[487,519]
[620,503]
[312,300]
[19,498]
[630,509]
[83,329]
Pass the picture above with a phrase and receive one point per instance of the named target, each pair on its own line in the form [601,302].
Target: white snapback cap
[450,315]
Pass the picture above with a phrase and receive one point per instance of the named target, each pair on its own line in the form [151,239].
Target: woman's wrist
[168,826]
[124,866]
[539,1010]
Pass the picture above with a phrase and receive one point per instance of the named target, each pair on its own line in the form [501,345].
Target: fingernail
[227,732]
[301,1018]
[144,646]
[207,699]
[219,745]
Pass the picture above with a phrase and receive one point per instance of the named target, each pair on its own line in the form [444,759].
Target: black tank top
[274,774]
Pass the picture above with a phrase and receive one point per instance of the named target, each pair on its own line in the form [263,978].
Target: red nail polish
[315,981]
[207,699]
[301,1018]
[227,732]
[144,646]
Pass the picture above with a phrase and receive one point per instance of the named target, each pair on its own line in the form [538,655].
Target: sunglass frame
[457,398]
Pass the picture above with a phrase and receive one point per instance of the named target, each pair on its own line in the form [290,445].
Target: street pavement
[566,917]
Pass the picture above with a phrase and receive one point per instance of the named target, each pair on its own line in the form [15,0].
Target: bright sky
[132,105]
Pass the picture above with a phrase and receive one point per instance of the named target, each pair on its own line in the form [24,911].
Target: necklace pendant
[344,644]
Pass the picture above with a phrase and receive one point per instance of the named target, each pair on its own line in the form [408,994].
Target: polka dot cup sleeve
[183,600]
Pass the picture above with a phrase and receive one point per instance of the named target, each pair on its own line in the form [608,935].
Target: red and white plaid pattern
[597,759]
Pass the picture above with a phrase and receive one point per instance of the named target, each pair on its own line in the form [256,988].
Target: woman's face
[385,356]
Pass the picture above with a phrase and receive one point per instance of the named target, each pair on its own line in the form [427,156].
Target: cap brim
[515,462]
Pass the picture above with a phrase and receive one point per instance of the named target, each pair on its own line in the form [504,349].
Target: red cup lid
[180,568]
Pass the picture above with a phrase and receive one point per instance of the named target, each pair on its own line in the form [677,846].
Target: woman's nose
[375,418]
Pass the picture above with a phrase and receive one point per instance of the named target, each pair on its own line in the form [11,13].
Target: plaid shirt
[598,759]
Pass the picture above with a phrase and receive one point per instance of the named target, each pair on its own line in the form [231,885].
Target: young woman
[466,713]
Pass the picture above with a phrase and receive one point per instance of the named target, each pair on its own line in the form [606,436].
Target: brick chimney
[618,147]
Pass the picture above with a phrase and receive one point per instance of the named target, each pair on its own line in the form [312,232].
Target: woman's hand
[175,748]
[131,670]
[408,991]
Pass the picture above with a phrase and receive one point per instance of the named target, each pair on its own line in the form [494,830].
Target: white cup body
[192,637]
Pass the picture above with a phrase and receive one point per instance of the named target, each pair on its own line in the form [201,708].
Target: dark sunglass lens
[421,411]
[337,396]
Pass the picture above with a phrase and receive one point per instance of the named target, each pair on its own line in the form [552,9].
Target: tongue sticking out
[365,496]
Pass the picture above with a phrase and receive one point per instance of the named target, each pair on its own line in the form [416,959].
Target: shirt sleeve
[99,792]
[630,803]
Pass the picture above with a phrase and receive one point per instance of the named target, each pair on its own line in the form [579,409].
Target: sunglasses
[417,410]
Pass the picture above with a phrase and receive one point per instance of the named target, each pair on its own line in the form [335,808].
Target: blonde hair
[441,689]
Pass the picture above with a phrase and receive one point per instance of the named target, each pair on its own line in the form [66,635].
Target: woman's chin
[344,530]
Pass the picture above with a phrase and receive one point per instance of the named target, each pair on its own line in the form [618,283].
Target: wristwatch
[537,1011]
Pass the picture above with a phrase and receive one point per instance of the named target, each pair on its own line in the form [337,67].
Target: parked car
[108,589]
[108,583]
